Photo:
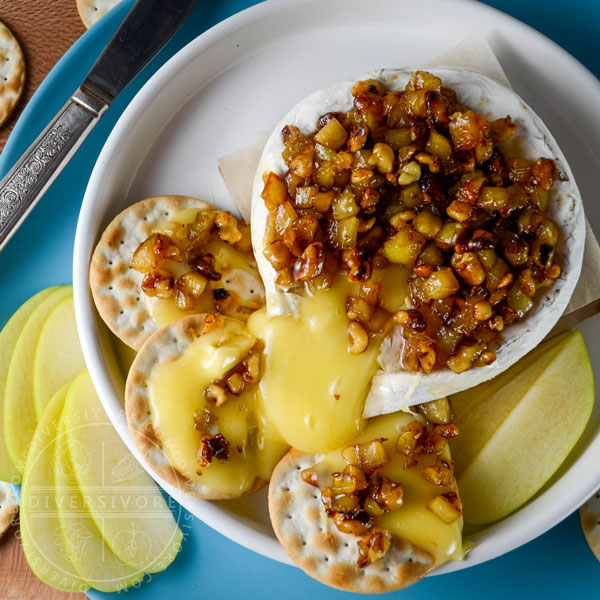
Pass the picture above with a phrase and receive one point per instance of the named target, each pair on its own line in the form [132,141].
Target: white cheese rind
[394,389]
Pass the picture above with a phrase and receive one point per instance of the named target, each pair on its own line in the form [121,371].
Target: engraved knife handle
[31,176]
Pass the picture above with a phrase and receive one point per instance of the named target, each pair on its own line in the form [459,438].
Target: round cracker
[116,287]
[166,345]
[12,72]
[8,507]
[92,10]
[589,514]
[315,544]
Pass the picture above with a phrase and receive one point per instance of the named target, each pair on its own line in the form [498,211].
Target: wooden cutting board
[46,29]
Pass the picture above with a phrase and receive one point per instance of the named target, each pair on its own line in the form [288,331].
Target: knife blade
[148,26]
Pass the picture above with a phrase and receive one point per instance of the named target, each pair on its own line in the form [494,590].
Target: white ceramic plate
[233,83]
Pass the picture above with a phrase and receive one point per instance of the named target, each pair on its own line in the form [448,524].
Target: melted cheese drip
[314,388]
[412,521]
[176,391]
[238,274]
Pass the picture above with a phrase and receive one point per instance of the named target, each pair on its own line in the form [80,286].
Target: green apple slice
[41,533]
[534,439]
[58,356]
[20,419]
[125,503]
[8,340]
[479,412]
[124,356]
[92,558]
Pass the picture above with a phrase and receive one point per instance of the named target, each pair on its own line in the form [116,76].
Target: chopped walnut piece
[228,228]
[211,322]
[359,340]
[417,439]
[225,301]
[236,383]
[310,264]
[205,265]
[373,546]
[346,523]
[357,263]
[412,319]
[441,473]
[278,255]
[213,446]
[251,370]
[216,394]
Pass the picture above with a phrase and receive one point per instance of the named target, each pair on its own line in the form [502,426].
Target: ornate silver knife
[149,25]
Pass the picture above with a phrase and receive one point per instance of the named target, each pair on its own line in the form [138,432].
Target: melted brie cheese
[412,521]
[176,391]
[393,388]
[314,388]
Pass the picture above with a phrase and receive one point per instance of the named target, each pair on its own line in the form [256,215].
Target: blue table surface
[559,564]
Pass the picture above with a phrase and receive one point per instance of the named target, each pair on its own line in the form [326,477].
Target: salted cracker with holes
[12,72]
[117,287]
[315,544]
[92,10]
[165,427]
[8,507]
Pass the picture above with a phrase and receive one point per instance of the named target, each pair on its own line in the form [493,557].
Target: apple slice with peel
[479,412]
[58,356]
[20,418]
[125,503]
[92,558]
[546,419]
[8,340]
[41,532]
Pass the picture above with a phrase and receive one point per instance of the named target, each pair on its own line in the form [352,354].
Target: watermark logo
[90,514]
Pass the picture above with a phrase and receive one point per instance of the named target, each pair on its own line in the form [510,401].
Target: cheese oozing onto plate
[313,386]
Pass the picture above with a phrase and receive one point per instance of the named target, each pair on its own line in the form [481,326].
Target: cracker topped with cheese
[167,257]
[376,515]
[195,411]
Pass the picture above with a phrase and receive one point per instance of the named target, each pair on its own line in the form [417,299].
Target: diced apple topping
[369,457]
[359,495]
[416,178]
[178,247]
[446,507]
